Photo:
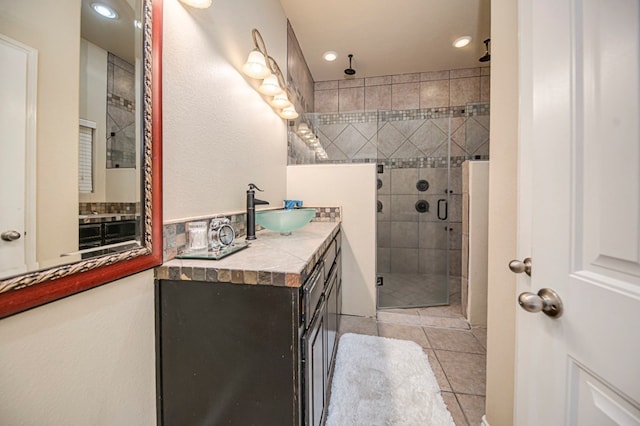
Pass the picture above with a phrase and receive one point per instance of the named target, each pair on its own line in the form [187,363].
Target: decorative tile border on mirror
[174,234]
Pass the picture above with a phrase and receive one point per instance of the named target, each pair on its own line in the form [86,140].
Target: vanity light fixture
[303,129]
[461,41]
[260,65]
[280,101]
[198,4]
[104,10]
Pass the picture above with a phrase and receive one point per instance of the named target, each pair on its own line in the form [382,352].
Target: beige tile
[485,71]
[454,409]
[466,372]
[351,99]
[434,75]
[403,181]
[377,97]
[454,340]
[377,81]
[405,260]
[326,100]
[404,234]
[485,88]
[473,407]
[481,335]
[358,325]
[405,96]
[384,260]
[465,72]
[406,311]
[453,310]
[353,82]
[405,78]
[437,370]
[464,90]
[403,332]
[434,94]
[455,261]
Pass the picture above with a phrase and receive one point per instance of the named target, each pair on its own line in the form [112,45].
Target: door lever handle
[10,235]
[518,267]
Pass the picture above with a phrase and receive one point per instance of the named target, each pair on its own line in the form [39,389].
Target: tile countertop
[271,259]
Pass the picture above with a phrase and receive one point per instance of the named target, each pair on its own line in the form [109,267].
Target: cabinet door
[314,370]
[332,320]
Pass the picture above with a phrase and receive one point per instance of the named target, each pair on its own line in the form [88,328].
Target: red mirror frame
[37,288]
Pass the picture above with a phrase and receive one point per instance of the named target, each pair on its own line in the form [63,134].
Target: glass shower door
[414,208]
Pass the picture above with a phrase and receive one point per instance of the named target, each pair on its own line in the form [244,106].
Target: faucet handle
[253,186]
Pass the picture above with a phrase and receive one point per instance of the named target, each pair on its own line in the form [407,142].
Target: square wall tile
[464,90]
[435,75]
[377,81]
[403,181]
[377,97]
[434,94]
[404,260]
[405,78]
[404,234]
[351,99]
[326,100]
[465,72]
[354,82]
[485,88]
[325,85]
[405,96]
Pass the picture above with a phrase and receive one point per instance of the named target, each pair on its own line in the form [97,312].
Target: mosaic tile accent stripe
[103,208]
[175,234]
[468,110]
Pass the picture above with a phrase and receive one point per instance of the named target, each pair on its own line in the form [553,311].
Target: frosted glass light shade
[289,113]
[280,101]
[303,129]
[256,66]
[270,86]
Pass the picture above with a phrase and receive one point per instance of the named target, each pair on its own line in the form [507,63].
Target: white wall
[90,358]
[502,213]
[352,187]
[219,133]
[93,107]
[53,28]
[84,360]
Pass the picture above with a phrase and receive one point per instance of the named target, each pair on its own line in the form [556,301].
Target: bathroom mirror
[46,36]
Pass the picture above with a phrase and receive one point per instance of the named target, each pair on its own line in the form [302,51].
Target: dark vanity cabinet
[93,235]
[247,354]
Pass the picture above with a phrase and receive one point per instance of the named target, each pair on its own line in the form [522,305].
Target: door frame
[30,150]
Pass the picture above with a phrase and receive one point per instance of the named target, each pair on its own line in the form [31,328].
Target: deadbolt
[546,301]
[10,235]
[519,267]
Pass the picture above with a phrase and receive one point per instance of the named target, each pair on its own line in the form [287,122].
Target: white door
[579,211]
[17,142]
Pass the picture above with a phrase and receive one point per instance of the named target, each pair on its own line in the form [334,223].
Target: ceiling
[389,36]
[116,36]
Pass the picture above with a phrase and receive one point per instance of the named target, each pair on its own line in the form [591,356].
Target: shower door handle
[446,209]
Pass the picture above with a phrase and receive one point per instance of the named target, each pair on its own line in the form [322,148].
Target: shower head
[487,56]
[349,72]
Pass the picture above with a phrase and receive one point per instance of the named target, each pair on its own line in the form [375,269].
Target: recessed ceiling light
[105,11]
[462,41]
[329,56]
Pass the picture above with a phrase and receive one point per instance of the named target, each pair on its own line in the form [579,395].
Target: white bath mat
[381,381]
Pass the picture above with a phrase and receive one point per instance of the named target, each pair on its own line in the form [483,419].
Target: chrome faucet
[252,202]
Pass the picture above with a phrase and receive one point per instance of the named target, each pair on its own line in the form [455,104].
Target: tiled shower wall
[121,117]
[414,117]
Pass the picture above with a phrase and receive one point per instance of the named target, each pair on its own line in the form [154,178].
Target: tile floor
[457,352]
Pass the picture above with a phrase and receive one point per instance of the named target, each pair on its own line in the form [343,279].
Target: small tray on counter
[214,254]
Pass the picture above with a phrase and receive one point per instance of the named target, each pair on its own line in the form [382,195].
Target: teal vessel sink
[284,221]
